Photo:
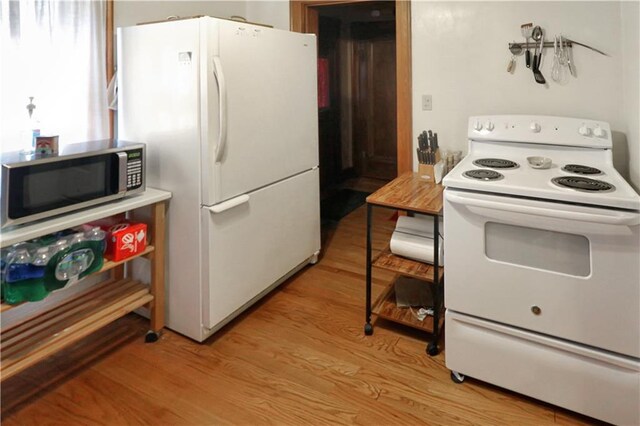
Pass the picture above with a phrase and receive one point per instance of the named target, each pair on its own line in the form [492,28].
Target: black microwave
[82,175]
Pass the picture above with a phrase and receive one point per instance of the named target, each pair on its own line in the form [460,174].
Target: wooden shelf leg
[157,267]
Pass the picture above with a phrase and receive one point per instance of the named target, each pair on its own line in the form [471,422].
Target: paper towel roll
[419,225]
[415,247]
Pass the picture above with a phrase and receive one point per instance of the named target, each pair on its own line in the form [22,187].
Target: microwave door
[43,189]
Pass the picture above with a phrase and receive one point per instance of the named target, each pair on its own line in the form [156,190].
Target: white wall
[630,13]
[130,12]
[269,12]
[460,57]
[460,54]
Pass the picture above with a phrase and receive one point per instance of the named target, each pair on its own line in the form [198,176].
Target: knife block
[427,172]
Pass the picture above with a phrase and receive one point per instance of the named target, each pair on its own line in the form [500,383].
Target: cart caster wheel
[368,329]
[457,377]
[151,337]
[432,349]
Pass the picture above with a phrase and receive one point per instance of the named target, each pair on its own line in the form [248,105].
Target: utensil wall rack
[549,44]
[533,45]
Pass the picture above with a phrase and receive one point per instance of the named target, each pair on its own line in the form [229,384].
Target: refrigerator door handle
[229,204]
[222,90]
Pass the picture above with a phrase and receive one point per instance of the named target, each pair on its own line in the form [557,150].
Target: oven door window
[538,249]
[44,187]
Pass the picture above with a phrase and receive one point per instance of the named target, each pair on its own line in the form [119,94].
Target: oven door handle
[610,218]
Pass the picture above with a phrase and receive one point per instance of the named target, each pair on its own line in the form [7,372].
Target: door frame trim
[302,21]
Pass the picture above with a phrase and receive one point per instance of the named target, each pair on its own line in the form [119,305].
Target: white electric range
[542,265]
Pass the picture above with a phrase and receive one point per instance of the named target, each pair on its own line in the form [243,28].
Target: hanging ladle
[538,36]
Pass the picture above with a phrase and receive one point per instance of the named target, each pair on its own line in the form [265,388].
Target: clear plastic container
[77,238]
[59,245]
[74,264]
[449,161]
[457,156]
[97,235]
[20,267]
[42,257]
[30,247]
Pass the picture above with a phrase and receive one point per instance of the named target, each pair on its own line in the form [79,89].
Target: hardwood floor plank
[297,357]
[93,398]
[166,387]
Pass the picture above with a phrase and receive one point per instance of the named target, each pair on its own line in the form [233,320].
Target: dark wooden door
[329,111]
[374,84]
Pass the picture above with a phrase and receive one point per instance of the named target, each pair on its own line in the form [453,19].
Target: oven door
[40,189]
[559,269]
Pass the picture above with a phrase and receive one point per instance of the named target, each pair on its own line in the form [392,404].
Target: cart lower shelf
[411,268]
[26,343]
[385,307]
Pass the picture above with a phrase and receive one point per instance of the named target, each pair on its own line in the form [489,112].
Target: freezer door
[261,113]
[250,244]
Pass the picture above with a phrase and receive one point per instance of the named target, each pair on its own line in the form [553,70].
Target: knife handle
[527,58]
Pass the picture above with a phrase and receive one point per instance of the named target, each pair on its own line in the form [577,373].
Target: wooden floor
[298,357]
[364,184]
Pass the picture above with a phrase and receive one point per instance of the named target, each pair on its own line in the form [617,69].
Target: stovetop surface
[530,182]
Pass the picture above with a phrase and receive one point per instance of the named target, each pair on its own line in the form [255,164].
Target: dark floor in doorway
[340,204]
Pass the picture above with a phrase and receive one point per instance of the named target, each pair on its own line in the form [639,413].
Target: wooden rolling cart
[414,195]
[29,341]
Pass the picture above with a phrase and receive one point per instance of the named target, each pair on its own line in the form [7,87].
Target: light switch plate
[426,103]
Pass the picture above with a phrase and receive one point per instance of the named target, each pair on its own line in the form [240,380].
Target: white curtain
[53,51]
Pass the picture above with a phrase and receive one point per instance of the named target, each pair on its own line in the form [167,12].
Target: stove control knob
[477,126]
[584,130]
[489,126]
[534,127]
[600,132]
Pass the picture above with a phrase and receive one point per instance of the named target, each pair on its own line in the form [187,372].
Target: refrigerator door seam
[262,187]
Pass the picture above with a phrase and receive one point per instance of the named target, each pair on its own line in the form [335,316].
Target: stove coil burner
[496,163]
[483,174]
[584,184]
[581,170]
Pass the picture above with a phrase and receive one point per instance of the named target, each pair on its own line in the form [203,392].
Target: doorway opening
[357,102]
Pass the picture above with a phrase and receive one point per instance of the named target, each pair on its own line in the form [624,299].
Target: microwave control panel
[134,169]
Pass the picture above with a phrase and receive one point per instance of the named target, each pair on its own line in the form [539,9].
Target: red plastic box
[125,240]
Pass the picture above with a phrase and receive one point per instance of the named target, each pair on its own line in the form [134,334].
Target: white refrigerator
[228,111]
